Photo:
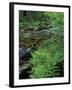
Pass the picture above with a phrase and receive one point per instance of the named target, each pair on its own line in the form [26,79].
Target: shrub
[47,61]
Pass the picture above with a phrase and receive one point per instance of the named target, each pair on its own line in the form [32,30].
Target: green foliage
[48,60]
[35,20]
[45,61]
[57,19]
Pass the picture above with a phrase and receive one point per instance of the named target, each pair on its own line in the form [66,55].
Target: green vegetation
[35,21]
[40,20]
[48,60]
